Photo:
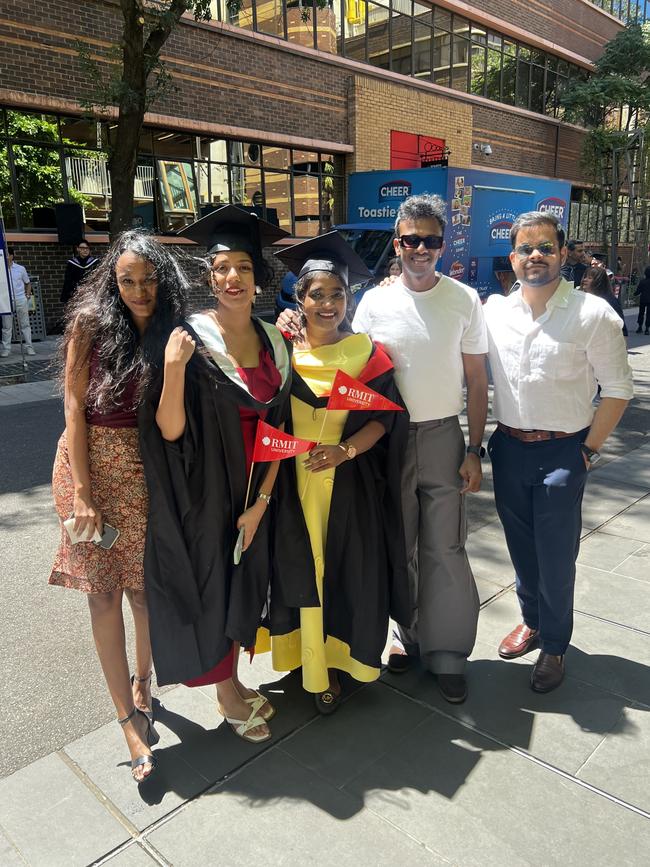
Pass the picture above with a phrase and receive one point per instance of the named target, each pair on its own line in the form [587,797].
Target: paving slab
[633,523]
[633,467]
[9,855]
[103,756]
[488,555]
[621,764]
[479,806]
[53,819]
[606,496]
[636,565]
[486,589]
[278,812]
[362,729]
[562,728]
[613,597]
[211,748]
[604,551]
[133,856]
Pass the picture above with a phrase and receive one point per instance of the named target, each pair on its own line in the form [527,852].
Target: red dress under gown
[263,382]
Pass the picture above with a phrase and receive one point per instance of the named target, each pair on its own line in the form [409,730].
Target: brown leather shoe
[548,673]
[521,640]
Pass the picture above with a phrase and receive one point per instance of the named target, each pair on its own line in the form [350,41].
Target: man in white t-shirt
[433,328]
[21,291]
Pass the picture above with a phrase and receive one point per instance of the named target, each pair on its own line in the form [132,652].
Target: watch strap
[479,451]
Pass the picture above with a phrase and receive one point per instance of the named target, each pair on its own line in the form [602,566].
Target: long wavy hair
[99,318]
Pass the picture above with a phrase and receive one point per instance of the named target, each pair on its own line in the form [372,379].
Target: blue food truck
[481,207]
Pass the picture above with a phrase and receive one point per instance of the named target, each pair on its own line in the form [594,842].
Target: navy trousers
[538,490]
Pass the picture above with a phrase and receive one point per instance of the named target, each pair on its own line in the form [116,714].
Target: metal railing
[91,178]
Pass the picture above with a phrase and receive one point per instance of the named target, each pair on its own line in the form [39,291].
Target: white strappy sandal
[242,727]
[258,701]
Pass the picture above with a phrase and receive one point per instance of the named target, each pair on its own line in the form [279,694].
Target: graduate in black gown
[224,370]
[349,485]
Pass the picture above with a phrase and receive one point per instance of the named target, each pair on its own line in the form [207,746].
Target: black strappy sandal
[145,710]
[152,737]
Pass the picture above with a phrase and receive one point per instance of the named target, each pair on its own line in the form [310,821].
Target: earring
[258,290]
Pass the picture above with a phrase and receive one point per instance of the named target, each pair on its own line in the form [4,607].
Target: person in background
[643,291]
[77,269]
[22,292]
[575,265]
[596,281]
[394,268]
[116,330]
[599,260]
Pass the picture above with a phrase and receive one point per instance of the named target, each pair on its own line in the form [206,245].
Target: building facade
[274,102]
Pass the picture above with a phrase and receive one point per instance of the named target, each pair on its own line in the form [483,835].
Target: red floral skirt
[118,488]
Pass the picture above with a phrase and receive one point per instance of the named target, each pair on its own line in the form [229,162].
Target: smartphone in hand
[236,557]
[109,537]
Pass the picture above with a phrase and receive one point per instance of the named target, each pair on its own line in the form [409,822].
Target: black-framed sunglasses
[412,242]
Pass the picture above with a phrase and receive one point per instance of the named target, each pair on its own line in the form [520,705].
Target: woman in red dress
[222,372]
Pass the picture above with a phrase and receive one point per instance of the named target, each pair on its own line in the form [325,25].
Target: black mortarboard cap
[231,228]
[329,252]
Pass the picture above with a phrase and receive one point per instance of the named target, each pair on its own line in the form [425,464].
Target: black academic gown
[365,578]
[199,601]
[76,270]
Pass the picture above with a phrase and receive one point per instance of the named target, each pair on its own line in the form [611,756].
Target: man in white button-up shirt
[550,346]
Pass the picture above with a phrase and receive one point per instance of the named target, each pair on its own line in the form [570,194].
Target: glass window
[174,144]
[89,185]
[460,63]
[177,189]
[83,133]
[442,58]
[422,14]
[403,47]
[40,185]
[244,153]
[35,127]
[442,19]
[246,185]
[523,83]
[276,158]
[6,194]
[270,18]
[306,204]
[355,29]
[213,149]
[537,88]
[328,26]
[461,25]
[478,69]
[378,24]
[479,34]
[277,199]
[493,74]
[305,162]
[422,48]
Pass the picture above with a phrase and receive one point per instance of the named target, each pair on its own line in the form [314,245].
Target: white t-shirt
[425,334]
[19,279]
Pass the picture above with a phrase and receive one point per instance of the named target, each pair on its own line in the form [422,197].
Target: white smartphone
[236,557]
[109,537]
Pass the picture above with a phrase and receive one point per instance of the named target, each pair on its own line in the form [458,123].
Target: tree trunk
[123,159]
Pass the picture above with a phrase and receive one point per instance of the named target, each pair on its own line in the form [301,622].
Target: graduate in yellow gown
[347,502]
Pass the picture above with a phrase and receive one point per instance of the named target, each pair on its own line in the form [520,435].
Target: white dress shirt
[546,370]
[426,334]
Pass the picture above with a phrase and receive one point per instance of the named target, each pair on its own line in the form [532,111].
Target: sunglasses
[525,250]
[412,242]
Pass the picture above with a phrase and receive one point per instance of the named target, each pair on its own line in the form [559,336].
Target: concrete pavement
[508,777]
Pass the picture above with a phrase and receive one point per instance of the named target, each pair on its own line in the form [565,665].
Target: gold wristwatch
[350,450]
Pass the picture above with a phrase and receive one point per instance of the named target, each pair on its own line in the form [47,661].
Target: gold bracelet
[265,497]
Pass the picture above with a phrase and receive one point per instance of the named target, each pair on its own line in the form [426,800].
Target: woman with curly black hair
[117,328]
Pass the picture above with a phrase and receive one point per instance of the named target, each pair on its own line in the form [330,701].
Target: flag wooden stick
[322,428]
[248,489]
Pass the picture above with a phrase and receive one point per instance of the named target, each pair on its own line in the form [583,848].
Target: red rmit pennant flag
[272,444]
[350,394]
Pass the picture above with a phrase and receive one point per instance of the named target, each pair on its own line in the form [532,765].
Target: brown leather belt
[533,436]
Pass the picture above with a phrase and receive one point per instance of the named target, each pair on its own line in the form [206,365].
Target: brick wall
[575,25]
[381,106]
[217,78]
[48,260]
